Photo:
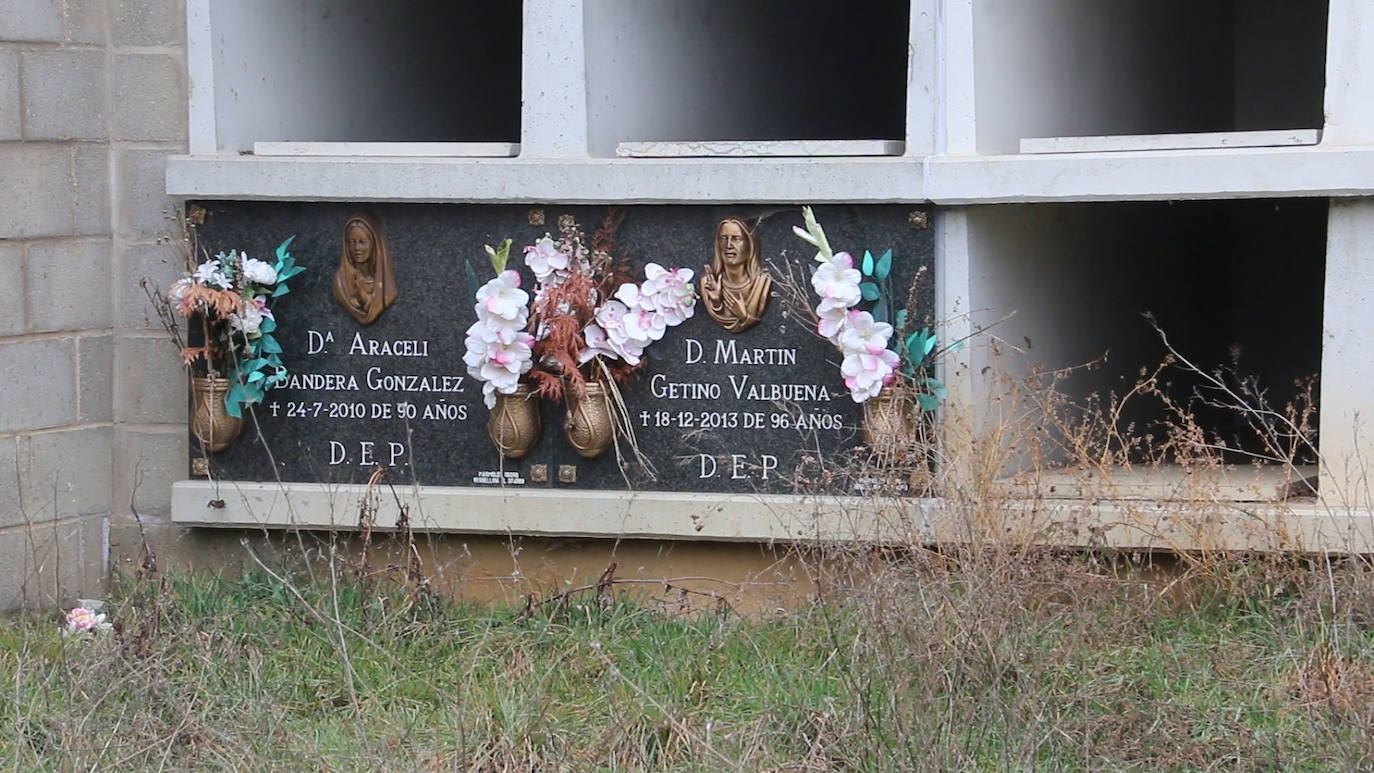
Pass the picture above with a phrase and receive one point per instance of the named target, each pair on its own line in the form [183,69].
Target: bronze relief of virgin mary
[735,288]
[365,284]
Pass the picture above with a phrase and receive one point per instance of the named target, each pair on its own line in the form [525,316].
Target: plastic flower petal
[502,297]
[259,272]
[210,275]
[544,258]
[838,281]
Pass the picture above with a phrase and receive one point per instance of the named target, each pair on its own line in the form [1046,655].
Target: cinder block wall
[92,405]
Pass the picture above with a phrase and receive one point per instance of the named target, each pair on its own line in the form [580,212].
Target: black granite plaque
[761,410]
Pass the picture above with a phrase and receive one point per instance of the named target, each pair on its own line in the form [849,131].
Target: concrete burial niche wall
[1229,282]
[744,70]
[365,71]
[1072,68]
[758,415]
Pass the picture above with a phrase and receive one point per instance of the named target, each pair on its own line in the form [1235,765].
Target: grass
[987,661]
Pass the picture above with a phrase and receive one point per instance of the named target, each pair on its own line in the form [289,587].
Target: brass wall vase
[514,425]
[210,420]
[890,425]
[589,427]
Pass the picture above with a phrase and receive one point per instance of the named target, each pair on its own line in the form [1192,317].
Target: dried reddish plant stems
[562,312]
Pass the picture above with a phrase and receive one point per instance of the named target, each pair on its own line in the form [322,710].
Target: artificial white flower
[597,344]
[610,316]
[837,281]
[497,356]
[669,292]
[865,374]
[544,258]
[176,295]
[830,320]
[503,298]
[644,325]
[862,334]
[248,320]
[210,275]
[258,271]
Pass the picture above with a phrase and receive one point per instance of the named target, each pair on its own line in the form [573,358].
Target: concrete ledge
[554,513]
[1213,173]
[1130,525]
[521,180]
[1166,526]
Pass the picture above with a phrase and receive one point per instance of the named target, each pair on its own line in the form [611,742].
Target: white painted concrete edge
[1146,525]
[1214,173]
[551,512]
[760,148]
[1119,143]
[390,149]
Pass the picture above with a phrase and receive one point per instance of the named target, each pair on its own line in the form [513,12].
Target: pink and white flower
[862,334]
[503,298]
[497,355]
[866,374]
[610,317]
[830,321]
[597,344]
[85,619]
[544,258]
[669,292]
[836,281]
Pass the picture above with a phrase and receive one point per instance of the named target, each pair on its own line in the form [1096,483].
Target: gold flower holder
[515,425]
[210,420]
[589,426]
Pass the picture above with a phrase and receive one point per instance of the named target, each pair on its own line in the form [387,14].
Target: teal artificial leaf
[280,290]
[868,263]
[290,272]
[255,376]
[268,325]
[927,402]
[283,249]
[233,402]
[884,266]
[913,346]
[270,345]
[937,388]
[471,276]
[956,346]
[880,311]
[930,341]
[901,319]
[869,290]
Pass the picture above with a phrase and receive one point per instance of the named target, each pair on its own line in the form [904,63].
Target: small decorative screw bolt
[567,473]
[535,215]
[919,220]
[539,473]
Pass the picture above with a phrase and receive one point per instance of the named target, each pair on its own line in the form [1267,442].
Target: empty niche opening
[366,71]
[747,77]
[1239,72]
[1236,286]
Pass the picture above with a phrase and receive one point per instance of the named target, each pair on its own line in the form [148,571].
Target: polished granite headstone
[764,410]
